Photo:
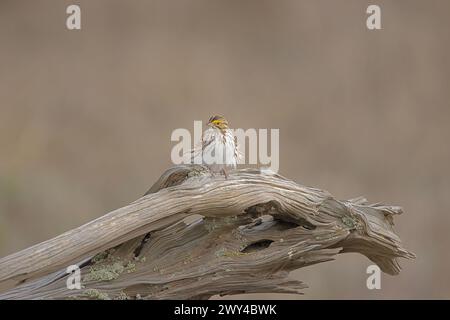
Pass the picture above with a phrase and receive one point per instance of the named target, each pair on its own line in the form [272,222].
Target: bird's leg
[224,172]
[211,172]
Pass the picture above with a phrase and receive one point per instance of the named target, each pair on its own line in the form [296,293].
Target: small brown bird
[218,150]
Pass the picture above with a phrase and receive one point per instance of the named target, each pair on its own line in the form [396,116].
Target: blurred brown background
[86,116]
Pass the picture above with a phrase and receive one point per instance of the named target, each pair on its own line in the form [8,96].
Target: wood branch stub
[194,235]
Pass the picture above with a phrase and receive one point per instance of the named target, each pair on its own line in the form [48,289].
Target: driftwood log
[194,235]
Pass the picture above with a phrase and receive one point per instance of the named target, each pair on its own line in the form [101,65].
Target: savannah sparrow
[218,149]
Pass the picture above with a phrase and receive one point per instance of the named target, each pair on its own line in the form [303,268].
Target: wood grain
[194,235]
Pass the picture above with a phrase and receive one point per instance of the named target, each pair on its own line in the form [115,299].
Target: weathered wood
[194,235]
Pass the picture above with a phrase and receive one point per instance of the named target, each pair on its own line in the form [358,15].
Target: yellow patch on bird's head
[218,122]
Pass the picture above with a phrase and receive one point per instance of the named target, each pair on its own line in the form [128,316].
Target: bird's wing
[208,138]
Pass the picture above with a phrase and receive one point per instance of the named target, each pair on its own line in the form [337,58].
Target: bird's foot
[224,172]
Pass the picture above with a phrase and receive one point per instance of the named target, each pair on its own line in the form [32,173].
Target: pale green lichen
[121,296]
[198,171]
[96,294]
[349,222]
[228,253]
[100,257]
[211,225]
[238,235]
[188,259]
[220,252]
[104,272]
[104,256]
[130,267]
[139,259]
[229,219]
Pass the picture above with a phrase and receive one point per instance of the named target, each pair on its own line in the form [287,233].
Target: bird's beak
[209,124]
